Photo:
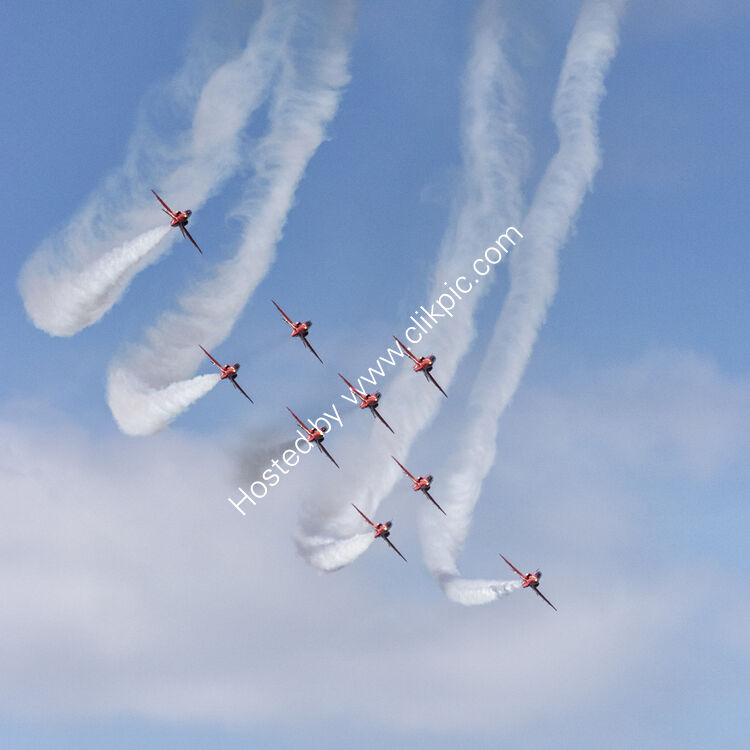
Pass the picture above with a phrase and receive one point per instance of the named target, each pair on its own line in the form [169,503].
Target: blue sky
[141,610]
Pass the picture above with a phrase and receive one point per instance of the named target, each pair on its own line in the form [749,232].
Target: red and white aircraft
[424,364]
[179,219]
[382,530]
[314,436]
[299,329]
[530,580]
[229,372]
[420,483]
[368,401]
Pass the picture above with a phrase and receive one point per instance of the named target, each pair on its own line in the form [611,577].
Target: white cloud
[130,585]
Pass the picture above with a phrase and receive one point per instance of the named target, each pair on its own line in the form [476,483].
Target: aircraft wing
[284,315]
[166,207]
[309,346]
[239,388]
[352,388]
[393,547]
[212,359]
[513,566]
[403,468]
[363,515]
[301,423]
[406,350]
[539,593]
[322,448]
[376,413]
[190,237]
[435,383]
[434,502]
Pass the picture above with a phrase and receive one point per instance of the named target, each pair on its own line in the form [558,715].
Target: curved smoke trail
[495,157]
[304,101]
[534,275]
[65,300]
[156,406]
[74,278]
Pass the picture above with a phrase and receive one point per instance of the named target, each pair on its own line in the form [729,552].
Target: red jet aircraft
[229,372]
[299,329]
[420,483]
[179,219]
[424,364]
[382,530]
[530,580]
[314,436]
[368,401]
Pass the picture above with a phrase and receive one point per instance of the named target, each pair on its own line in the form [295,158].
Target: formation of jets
[369,401]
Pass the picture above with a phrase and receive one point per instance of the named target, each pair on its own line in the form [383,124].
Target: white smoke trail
[305,99]
[74,278]
[326,553]
[470,592]
[64,301]
[156,406]
[495,157]
[534,274]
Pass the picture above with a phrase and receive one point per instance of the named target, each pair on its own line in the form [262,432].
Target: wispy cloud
[105,549]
